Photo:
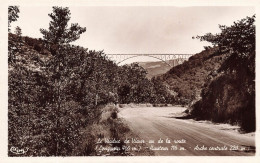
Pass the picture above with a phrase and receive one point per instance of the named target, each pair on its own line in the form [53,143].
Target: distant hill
[156,68]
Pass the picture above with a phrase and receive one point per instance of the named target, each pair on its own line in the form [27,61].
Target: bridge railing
[170,59]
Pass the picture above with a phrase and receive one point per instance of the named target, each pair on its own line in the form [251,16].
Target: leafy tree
[18,31]
[61,69]
[238,41]
[12,15]
[58,32]
[237,44]
[13,48]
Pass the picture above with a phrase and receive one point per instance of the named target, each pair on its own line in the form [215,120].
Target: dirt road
[187,137]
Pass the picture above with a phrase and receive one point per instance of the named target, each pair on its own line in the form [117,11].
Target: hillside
[219,83]
[56,93]
[229,95]
[186,80]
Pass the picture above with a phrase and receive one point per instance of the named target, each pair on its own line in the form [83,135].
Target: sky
[136,30]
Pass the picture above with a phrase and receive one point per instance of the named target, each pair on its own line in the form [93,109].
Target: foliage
[56,90]
[53,98]
[237,39]
[18,31]
[14,47]
[235,89]
[135,87]
[186,81]
[58,32]
[12,15]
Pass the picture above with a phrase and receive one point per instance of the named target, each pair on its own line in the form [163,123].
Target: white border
[4,79]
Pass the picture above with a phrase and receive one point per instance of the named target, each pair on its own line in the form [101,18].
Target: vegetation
[12,15]
[219,83]
[135,87]
[57,91]
[58,32]
[229,96]
[186,81]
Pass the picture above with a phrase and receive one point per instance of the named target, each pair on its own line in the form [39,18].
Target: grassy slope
[109,126]
[186,80]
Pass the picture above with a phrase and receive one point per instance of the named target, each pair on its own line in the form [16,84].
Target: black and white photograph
[130,80]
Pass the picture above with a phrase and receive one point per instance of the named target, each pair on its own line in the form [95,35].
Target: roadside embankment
[107,136]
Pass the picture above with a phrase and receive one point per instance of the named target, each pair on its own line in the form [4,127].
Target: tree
[61,68]
[18,31]
[13,48]
[58,32]
[237,43]
[15,43]
[12,15]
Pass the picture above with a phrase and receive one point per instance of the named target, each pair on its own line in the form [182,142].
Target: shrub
[114,115]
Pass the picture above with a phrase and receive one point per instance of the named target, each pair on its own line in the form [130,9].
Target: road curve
[196,139]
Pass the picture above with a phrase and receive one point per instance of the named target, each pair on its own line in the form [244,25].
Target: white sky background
[133,30]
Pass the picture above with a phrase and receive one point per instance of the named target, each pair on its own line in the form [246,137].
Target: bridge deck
[119,58]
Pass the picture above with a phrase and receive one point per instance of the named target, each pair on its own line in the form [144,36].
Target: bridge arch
[169,59]
[145,56]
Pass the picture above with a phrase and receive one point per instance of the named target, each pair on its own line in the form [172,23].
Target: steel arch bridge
[170,59]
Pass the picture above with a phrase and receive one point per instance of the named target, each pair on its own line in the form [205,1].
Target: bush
[230,95]
[114,115]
